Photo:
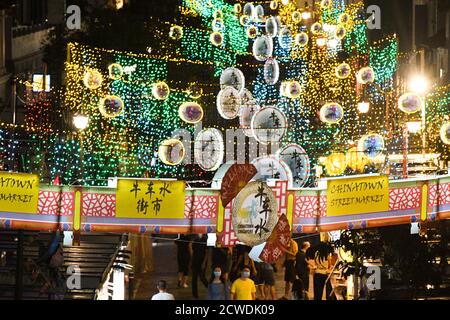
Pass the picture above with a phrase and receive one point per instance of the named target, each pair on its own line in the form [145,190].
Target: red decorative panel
[98,205]
[49,203]
[439,194]
[204,207]
[404,198]
[228,235]
[307,206]
[280,192]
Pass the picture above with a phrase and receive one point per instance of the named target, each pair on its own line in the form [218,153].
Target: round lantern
[216,38]
[160,91]
[365,75]
[171,152]
[355,159]
[371,145]
[335,164]
[296,16]
[228,103]
[271,71]
[273,4]
[343,70]
[285,38]
[249,10]
[262,48]
[298,161]
[259,12]
[246,112]
[445,133]
[176,32]
[92,79]
[325,4]
[269,124]
[218,14]
[244,20]
[340,32]
[293,89]
[217,24]
[111,106]
[344,18]
[195,91]
[331,113]
[316,28]
[410,102]
[301,39]
[252,32]
[190,112]
[232,77]
[209,149]
[271,27]
[237,8]
[115,71]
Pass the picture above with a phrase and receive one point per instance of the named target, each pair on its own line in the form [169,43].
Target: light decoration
[216,38]
[160,90]
[176,32]
[171,152]
[262,48]
[232,77]
[111,106]
[343,71]
[228,103]
[410,102]
[209,149]
[371,145]
[92,79]
[115,71]
[273,4]
[445,133]
[363,107]
[414,126]
[190,112]
[331,113]
[365,75]
[252,32]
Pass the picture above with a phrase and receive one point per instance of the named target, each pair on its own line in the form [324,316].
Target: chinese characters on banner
[19,192]
[357,195]
[278,241]
[142,198]
[254,213]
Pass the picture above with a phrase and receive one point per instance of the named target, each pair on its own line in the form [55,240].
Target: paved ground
[165,268]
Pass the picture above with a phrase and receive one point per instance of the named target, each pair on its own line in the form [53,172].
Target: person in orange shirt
[243,288]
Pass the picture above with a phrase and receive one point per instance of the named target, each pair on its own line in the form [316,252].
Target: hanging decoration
[216,38]
[228,103]
[115,71]
[297,160]
[161,90]
[365,75]
[371,145]
[176,32]
[285,38]
[254,214]
[263,48]
[111,106]
[268,125]
[271,27]
[445,133]
[272,168]
[343,70]
[335,164]
[410,102]
[190,112]
[271,71]
[234,180]
[209,149]
[331,113]
[232,77]
[293,89]
[246,113]
[92,79]
[171,152]
[301,39]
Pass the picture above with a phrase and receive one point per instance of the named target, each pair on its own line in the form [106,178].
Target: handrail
[110,265]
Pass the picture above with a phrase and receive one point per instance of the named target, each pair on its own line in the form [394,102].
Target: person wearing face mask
[218,288]
[244,288]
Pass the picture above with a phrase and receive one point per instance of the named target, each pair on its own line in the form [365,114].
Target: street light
[418,84]
[80,121]
[363,107]
[414,126]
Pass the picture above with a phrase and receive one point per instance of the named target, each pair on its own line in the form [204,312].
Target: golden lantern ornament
[171,152]
[216,38]
[115,71]
[356,160]
[92,79]
[335,164]
[161,90]
[176,32]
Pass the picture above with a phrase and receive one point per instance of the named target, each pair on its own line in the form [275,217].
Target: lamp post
[419,84]
[81,122]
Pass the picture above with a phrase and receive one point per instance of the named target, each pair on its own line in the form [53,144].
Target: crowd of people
[233,275]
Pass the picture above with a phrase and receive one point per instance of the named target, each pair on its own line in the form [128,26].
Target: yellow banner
[142,198]
[357,195]
[19,192]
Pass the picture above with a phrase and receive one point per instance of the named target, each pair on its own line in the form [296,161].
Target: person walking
[303,265]
[218,288]
[243,288]
[184,252]
[199,261]
[268,279]
[162,294]
[290,274]
[323,269]
[222,257]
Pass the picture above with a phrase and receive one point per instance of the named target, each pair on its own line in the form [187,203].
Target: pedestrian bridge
[93,209]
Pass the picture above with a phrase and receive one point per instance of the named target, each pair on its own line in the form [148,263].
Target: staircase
[91,258]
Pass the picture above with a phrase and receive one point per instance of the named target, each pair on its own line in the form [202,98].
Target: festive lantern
[115,71]
[271,27]
[272,167]
[343,70]
[410,102]
[296,16]
[111,106]
[232,77]
[269,124]
[209,149]
[218,14]
[249,10]
[92,79]
[171,152]
[293,89]
[216,38]
[259,12]
[254,214]
[325,4]
[297,160]
[356,160]
[340,32]
[271,71]
[273,4]
[262,48]
[331,113]
[371,145]
[190,112]
[445,133]
[228,103]
[335,164]
[344,18]
[284,39]
[195,91]
[217,24]
[301,39]
[237,8]
[176,32]
[247,110]
[252,32]
[365,75]
[160,91]
[316,28]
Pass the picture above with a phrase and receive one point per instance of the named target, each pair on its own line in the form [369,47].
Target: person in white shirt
[163,294]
